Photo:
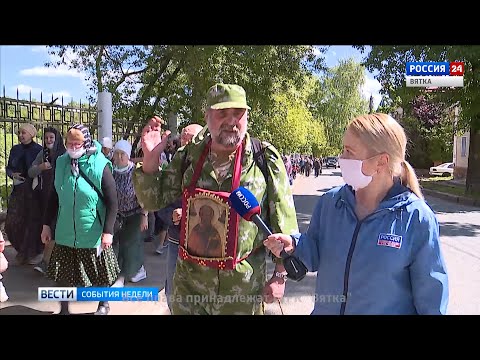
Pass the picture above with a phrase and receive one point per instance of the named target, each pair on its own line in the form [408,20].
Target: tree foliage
[337,99]
[147,80]
[173,79]
[390,63]
[428,112]
[288,126]
[428,145]
[431,128]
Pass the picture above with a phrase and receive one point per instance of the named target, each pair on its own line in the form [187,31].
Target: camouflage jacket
[158,190]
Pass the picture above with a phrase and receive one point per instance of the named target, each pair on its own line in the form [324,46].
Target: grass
[439,183]
[436,178]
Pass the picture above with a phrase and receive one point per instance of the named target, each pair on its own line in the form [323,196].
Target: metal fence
[52,112]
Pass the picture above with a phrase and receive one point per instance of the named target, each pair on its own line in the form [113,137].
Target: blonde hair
[383,134]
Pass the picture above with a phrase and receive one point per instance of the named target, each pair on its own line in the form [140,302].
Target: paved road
[299,296]
[460,241]
[21,283]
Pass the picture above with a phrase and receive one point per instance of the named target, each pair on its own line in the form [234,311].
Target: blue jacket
[21,158]
[388,263]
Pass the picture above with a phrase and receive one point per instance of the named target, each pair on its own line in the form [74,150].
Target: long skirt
[23,224]
[78,267]
[129,246]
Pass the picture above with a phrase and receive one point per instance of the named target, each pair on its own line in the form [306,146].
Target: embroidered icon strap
[228,260]
[237,169]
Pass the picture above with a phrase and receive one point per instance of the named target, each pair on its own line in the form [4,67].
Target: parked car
[445,169]
[332,161]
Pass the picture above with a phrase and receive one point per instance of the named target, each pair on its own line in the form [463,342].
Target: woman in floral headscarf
[82,255]
[23,222]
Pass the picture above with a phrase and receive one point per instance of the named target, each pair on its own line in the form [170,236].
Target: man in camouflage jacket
[205,290]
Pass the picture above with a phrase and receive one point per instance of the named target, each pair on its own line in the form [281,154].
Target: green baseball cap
[226,96]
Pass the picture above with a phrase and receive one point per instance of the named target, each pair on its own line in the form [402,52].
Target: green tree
[7,140]
[288,126]
[427,145]
[337,99]
[390,62]
[164,80]
[316,138]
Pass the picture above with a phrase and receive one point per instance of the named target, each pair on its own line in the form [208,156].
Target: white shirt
[163,158]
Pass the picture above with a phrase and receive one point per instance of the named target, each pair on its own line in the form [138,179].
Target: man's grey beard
[229,140]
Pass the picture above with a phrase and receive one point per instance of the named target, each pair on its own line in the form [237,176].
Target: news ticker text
[74,294]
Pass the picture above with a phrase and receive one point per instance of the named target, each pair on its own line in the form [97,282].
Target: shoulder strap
[185,164]
[91,184]
[261,161]
[100,196]
[259,156]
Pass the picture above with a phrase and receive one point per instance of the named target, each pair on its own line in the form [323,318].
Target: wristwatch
[281,275]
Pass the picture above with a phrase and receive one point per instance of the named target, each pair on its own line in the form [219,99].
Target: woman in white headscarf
[128,241]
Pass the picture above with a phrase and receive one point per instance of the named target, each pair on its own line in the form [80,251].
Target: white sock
[3,293]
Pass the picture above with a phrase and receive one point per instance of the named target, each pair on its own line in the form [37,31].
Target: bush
[5,192]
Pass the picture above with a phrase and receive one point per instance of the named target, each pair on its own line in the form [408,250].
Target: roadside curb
[455,183]
[453,198]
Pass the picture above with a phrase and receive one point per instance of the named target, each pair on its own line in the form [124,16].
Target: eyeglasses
[74,146]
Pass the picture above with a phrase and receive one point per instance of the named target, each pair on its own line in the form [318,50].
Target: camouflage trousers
[200,290]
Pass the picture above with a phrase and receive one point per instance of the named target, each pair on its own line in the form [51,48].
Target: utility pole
[370,106]
[104,115]
[455,122]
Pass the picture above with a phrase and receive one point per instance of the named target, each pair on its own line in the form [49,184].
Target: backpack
[259,157]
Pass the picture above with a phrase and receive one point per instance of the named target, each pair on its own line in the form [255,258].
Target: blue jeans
[172,254]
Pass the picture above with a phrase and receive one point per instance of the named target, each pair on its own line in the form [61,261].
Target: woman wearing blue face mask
[374,241]
[128,240]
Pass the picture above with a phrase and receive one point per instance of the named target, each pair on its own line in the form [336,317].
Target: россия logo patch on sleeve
[391,240]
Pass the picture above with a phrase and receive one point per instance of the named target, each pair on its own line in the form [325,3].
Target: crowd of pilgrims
[34,207]
[35,215]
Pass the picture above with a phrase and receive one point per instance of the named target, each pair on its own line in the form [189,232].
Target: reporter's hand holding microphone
[247,206]
[276,243]
[281,245]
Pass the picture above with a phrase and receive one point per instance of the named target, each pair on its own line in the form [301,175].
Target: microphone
[247,206]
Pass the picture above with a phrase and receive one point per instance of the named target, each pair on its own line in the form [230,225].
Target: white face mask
[50,146]
[122,169]
[352,173]
[75,154]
